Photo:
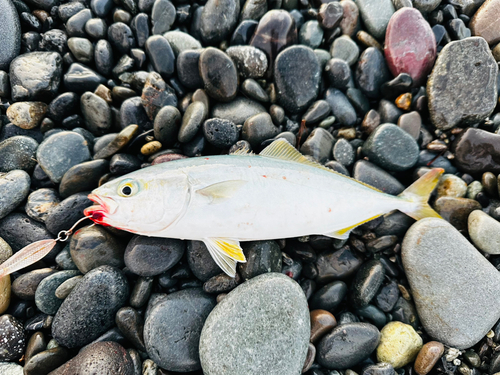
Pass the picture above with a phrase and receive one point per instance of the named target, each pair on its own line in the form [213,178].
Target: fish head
[141,202]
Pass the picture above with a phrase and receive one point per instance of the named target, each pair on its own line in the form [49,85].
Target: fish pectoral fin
[226,252]
[221,190]
[343,234]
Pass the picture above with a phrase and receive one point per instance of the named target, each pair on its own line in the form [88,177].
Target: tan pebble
[404,292]
[428,357]
[5,250]
[26,115]
[4,293]
[399,344]
[347,133]
[322,322]
[451,186]
[368,40]
[150,148]
[104,93]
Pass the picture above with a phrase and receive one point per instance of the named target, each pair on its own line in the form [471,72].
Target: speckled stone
[399,344]
[484,231]
[453,100]
[272,311]
[45,298]
[13,338]
[15,187]
[485,22]
[11,33]
[439,263]
[18,152]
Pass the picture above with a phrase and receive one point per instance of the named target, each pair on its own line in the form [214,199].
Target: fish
[224,200]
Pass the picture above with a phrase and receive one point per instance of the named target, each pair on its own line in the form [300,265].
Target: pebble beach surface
[378,90]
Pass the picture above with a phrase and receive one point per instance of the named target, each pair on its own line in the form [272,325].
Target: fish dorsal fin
[226,252]
[242,151]
[221,190]
[281,149]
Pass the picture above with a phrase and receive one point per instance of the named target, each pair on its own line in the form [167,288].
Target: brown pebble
[368,40]
[489,182]
[403,101]
[311,355]
[370,122]
[322,322]
[167,157]
[104,93]
[428,356]
[5,292]
[347,133]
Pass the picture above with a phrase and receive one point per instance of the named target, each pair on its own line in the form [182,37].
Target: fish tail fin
[419,193]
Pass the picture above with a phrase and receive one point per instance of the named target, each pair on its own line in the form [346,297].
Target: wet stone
[91,247]
[428,356]
[343,152]
[238,110]
[162,16]
[202,264]
[96,113]
[322,322]
[387,297]
[276,31]
[17,152]
[220,133]
[166,125]
[218,19]
[485,146]
[75,26]
[371,72]
[347,345]
[456,210]
[376,16]
[117,143]
[156,94]
[319,145]
[346,49]
[26,115]
[15,187]
[399,344]
[269,300]
[180,41]
[311,34]
[329,296]
[297,76]
[258,128]
[90,308]
[253,90]
[219,74]
[45,298]
[472,58]
[13,338]
[35,76]
[150,256]
[82,177]
[25,285]
[341,107]
[82,49]
[46,361]
[339,73]
[318,111]
[161,55]
[350,20]
[130,323]
[99,358]
[391,148]
[192,121]
[40,202]
[262,257]
[121,37]
[250,61]
[334,265]
[173,326]
[96,28]
[411,123]
[221,283]
[65,288]
[187,69]
[330,15]
[446,259]
[451,186]
[368,280]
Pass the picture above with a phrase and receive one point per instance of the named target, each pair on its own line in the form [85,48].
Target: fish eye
[128,188]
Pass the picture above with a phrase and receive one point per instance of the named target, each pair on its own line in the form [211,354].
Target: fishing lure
[223,200]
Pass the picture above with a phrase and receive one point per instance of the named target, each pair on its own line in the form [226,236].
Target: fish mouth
[105,206]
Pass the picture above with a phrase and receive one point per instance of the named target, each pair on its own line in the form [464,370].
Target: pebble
[67,213]
[456,210]
[250,61]
[238,110]
[411,123]
[485,146]
[13,338]
[150,256]
[297,76]
[96,112]
[367,282]
[391,148]
[347,345]
[333,265]
[79,78]
[25,285]
[350,20]
[345,48]
[119,142]
[399,344]
[428,356]
[18,152]
[58,153]
[82,177]
[318,145]
[192,121]
[5,293]
[201,263]
[63,290]
[339,73]
[187,69]
[483,23]
[445,261]
[311,34]
[99,358]
[180,41]
[451,186]
[26,115]
[220,133]
[75,26]
[258,128]
[166,124]
[322,322]
[262,257]
[161,55]
[93,246]
[470,57]
[90,308]
[162,16]
[173,327]
[371,72]
[11,33]
[219,74]
[376,15]
[269,300]
[280,25]
[483,231]
[45,298]
[35,76]
[46,361]
[410,45]
[341,107]
[15,187]
[82,49]
[218,19]
[9,368]
[329,296]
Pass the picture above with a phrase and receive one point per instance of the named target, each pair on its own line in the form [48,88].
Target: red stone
[410,45]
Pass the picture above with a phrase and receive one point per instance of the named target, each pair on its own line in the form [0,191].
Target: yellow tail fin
[419,192]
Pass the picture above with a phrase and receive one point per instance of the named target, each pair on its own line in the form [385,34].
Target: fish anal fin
[343,233]
[283,150]
[226,252]
[221,190]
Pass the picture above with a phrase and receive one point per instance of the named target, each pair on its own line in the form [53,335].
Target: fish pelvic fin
[221,191]
[419,193]
[226,252]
